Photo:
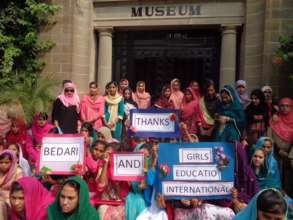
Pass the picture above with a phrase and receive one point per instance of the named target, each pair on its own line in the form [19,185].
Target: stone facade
[84,29]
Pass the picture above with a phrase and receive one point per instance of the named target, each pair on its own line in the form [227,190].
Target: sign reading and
[60,152]
[202,170]
[127,166]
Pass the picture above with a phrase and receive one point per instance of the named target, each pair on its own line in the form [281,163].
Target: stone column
[228,56]
[105,57]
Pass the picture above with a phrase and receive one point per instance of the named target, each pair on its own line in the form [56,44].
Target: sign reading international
[127,166]
[203,170]
[159,123]
[59,153]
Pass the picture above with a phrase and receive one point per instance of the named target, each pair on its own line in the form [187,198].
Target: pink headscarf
[39,132]
[142,99]
[195,92]
[69,101]
[36,199]
[283,127]
[7,181]
[176,96]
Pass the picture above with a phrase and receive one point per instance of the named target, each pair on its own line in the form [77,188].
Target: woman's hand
[186,203]
[196,202]
[161,201]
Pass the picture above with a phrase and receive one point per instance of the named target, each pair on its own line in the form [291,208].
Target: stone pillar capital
[105,31]
[229,29]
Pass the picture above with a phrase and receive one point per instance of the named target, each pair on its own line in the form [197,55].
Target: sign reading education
[127,166]
[59,153]
[203,170]
[159,123]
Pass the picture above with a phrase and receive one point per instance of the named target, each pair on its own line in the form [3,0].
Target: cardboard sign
[127,166]
[202,170]
[60,152]
[158,123]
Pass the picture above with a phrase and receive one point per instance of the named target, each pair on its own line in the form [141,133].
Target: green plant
[33,98]
[284,54]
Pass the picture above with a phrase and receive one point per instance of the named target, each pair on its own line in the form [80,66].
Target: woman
[22,162]
[195,89]
[89,133]
[271,102]
[66,109]
[257,116]
[267,204]
[9,172]
[189,112]
[92,107]
[72,202]
[40,128]
[273,175]
[18,134]
[242,93]
[209,103]
[141,97]
[114,110]
[29,199]
[230,119]
[123,84]
[176,94]
[164,100]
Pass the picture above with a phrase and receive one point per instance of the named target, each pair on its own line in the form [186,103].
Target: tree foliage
[21,50]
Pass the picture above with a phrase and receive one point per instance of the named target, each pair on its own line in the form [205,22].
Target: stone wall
[279,14]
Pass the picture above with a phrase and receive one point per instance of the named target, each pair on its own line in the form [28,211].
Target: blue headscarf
[250,212]
[272,177]
[233,129]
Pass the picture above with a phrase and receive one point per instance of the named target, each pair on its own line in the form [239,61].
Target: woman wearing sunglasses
[66,109]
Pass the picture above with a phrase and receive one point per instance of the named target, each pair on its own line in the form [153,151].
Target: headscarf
[36,199]
[84,211]
[9,176]
[142,99]
[188,109]
[195,92]
[260,109]
[130,100]
[21,136]
[245,179]
[234,111]
[244,98]
[272,178]
[39,132]
[69,101]
[176,96]
[283,127]
[164,102]
[23,163]
[265,88]
[113,105]
[106,132]
[250,212]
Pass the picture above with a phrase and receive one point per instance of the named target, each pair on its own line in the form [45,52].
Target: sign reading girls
[159,123]
[60,153]
[202,170]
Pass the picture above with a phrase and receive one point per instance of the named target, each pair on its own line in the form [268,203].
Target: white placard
[193,189]
[151,122]
[128,164]
[196,155]
[60,152]
[196,172]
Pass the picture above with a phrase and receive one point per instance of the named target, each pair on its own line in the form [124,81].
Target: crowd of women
[260,127]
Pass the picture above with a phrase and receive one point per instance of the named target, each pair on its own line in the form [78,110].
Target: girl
[190,112]
[114,110]
[66,109]
[176,94]
[267,204]
[22,162]
[259,166]
[89,134]
[164,101]
[230,118]
[29,199]
[92,107]
[257,116]
[9,172]
[141,97]
[242,93]
[72,202]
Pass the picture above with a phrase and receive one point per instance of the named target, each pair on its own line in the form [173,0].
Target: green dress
[84,212]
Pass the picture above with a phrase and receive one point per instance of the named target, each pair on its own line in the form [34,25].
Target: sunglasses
[69,90]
